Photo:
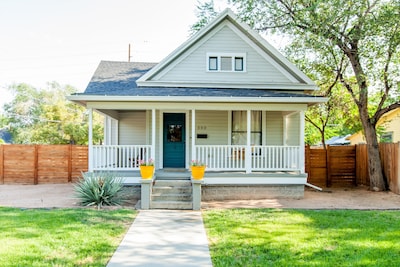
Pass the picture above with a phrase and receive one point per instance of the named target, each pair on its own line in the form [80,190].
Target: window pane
[238,64]
[239,119]
[174,133]
[256,121]
[239,138]
[239,128]
[226,63]
[212,63]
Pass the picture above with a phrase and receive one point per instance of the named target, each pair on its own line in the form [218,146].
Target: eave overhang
[84,99]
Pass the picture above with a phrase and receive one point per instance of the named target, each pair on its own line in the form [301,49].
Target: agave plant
[99,189]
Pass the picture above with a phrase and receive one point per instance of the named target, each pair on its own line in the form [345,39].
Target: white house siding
[132,128]
[274,128]
[293,130]
[192,65]
[214,124]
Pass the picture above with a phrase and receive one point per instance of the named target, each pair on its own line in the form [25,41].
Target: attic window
[224,62]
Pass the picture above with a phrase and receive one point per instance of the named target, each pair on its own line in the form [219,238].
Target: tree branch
[383,111]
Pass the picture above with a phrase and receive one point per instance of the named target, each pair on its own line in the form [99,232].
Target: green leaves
[99,189]
[44,116]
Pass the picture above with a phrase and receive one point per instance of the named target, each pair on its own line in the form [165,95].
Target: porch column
[301,142]
[90,141]
[153,134]
[248,144]
[193,134]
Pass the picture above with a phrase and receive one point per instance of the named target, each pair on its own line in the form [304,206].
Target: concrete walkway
[164,238]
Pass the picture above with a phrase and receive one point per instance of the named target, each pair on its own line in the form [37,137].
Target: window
[387,137]
[213,63]
[239,128]
[226,62]
[238,63]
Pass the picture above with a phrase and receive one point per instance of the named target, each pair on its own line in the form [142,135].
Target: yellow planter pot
[146,172]
[198,172]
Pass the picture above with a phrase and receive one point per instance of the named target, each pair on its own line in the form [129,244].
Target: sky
[46,40]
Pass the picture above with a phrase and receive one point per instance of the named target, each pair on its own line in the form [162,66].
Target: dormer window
[224,62]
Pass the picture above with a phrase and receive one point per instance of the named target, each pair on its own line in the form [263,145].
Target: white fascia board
[227,85]
[202,99]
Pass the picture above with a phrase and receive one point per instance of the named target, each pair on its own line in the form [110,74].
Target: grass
[61,237]
[270,237]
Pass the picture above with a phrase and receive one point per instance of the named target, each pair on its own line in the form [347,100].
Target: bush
[100,189]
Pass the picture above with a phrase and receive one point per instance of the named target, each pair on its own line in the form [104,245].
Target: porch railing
[262,158]
[119,157]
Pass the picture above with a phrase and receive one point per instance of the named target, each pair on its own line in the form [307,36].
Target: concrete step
[160,190]
[171,205]
[171,197]
[167,175]
[172,194]
[172,183]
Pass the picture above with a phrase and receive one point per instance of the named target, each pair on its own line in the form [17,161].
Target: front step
[171,194]
[167,174]
[171,205]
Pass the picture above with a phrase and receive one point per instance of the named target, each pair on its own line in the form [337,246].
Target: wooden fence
[41,164]
[348,165]
[334,166]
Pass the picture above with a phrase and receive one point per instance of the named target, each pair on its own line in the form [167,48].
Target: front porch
[253,153]
[233,158]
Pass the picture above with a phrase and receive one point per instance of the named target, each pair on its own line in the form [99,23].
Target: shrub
[100,189]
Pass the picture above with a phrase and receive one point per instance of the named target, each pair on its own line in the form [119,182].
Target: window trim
[233,56]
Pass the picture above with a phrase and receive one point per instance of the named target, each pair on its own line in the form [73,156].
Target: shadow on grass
[270,237]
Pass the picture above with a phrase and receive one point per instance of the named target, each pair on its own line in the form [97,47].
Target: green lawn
[61,237]
[271,237]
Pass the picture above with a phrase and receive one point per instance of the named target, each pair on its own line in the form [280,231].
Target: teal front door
[174,140]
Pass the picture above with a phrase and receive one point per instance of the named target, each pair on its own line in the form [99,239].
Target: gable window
[213,63]
[239,128]
[225,62]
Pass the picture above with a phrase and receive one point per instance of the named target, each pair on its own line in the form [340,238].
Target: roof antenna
[129,53]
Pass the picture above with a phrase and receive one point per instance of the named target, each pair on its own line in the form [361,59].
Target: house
[225,97]
[338,141]
[389,129]
[6,136]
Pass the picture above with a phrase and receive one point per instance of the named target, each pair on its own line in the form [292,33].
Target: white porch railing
[262,158]
[119,157]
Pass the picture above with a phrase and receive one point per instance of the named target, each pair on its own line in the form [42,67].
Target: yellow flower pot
[198,172]
[146,172]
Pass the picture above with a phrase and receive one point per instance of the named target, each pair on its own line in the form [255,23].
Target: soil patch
[62,196]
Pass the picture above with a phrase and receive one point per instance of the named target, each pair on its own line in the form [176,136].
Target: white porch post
[301,142]
[248,144]
[153,133]
[90,141]
[193,134]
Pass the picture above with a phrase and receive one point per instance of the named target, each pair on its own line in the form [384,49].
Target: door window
[174,133]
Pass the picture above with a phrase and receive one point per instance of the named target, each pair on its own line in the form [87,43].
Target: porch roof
[118,79]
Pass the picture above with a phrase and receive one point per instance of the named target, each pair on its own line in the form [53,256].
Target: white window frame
[233,57]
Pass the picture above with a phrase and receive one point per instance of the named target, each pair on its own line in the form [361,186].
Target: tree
[44,116]
[327,118]
[205,12]
[358,40]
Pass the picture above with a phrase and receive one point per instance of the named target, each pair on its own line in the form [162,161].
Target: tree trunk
[375,171]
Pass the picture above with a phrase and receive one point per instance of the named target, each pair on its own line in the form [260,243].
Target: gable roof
[114,80]
[299,80]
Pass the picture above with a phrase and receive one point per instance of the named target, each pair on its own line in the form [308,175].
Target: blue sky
[64,40]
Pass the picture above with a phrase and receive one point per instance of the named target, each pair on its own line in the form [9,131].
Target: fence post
[36,161]
[328,167]
[1,164]
[70,163]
